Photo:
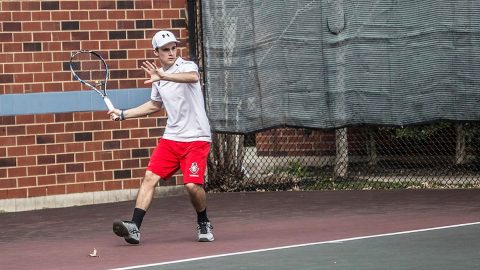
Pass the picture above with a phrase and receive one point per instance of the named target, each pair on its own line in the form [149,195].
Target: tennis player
[185,143]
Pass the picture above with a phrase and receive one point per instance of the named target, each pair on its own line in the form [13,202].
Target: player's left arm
[157,74]
[182,77]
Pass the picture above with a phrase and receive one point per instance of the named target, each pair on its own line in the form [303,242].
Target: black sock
[138,215]
[202,216]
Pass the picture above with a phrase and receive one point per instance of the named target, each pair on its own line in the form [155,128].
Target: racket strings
[90,68]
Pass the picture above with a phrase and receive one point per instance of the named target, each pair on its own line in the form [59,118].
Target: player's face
[167,54]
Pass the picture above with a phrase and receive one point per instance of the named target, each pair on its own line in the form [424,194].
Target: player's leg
[146,191]
[197,196]
[193,167]
[130,230]
[199,202]
[163,164]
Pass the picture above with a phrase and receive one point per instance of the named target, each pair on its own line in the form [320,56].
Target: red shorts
[190,157]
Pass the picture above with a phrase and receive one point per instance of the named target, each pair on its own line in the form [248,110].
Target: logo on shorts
[194,169]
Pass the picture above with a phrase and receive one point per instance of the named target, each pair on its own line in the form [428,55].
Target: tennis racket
[89,68]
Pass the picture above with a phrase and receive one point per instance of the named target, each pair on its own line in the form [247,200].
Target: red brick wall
[303,142]
[295,142]
[75,152]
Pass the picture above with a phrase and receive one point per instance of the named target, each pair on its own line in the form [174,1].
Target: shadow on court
[258,231]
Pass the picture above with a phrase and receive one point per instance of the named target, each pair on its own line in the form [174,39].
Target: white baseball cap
[163,37]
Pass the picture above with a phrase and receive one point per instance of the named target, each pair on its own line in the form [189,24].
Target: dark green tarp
[328,64]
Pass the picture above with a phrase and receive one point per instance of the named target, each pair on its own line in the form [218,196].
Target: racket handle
[109,103]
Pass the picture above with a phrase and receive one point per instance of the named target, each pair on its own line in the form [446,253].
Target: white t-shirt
[187,119]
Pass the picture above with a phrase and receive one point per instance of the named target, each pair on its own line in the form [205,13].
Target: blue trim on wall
[75,101]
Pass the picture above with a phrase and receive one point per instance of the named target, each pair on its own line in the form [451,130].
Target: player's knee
[150,179]
[191,187]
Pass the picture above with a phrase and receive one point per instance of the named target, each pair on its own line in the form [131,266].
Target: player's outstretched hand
[151,69]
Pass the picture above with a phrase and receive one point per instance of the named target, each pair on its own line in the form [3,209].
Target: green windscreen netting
[327,64]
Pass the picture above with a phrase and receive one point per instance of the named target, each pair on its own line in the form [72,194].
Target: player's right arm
[146,108]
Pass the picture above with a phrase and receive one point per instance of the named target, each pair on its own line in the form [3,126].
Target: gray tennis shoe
[127,230]
[205,232]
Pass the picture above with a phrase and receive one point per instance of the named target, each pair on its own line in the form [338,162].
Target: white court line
[295,246]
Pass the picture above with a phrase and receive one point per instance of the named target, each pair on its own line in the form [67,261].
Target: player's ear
[155,52]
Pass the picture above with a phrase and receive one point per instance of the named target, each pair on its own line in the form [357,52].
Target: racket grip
[109,103]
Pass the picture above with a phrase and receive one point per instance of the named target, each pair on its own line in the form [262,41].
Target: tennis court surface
[376,229]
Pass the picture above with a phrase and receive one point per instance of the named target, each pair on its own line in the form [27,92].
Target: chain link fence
[435,155]
[439,155]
